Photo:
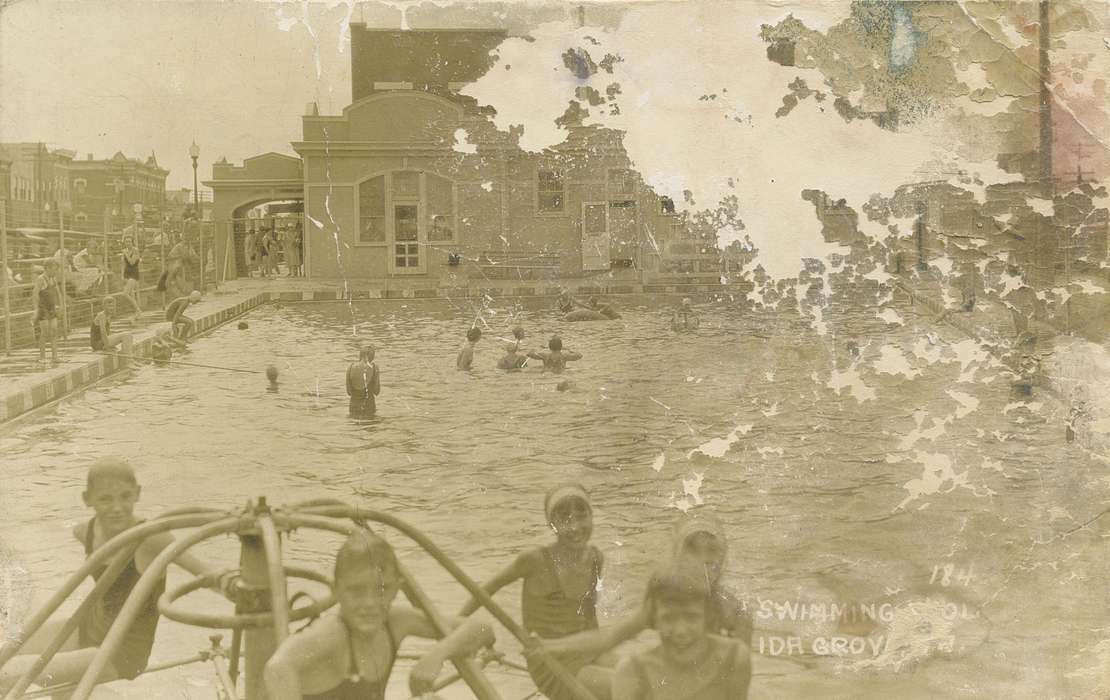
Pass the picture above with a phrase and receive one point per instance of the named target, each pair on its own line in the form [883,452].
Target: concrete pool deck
[26,385]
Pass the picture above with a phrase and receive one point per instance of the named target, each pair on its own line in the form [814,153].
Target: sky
[698,96]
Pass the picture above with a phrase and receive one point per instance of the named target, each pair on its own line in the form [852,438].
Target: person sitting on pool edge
[111,491]
[101,337]
[559,591]
[183,326]
[363,384]
[466,354]
[690,663]
[351,654]
[556,360]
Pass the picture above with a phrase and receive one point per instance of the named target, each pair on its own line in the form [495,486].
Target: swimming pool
[876,462]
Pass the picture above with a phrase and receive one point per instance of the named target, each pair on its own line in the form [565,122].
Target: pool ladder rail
[263,610]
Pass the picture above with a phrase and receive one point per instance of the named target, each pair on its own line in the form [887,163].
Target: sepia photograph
[525,349]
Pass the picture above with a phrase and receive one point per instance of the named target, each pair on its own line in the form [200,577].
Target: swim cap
[561,493]
[690,525]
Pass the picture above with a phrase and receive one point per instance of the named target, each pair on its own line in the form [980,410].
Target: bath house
[413,180]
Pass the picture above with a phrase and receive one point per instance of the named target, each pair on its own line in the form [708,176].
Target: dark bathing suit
[133,653]
[360,381]
[130,271]
[96,340]
[354,686]
[550,613]
[48,306]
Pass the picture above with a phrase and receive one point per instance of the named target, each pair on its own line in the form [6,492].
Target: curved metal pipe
[138,596]
[468,670]
[95,560]
[106,579]
[316,520]
[279,598]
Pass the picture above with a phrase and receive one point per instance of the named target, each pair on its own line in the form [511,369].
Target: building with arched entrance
[412,180]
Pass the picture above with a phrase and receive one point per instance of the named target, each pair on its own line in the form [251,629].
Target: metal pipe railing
[103,583]
[319,519]
[95,560]
[279,599]
[137,599]
[467,668]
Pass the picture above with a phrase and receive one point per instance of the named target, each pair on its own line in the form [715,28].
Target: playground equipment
[263,608]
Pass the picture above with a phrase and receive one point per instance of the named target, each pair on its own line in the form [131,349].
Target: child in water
[690,662]
[511,360]
[351,654]
[559,594]
[111,491]
[698,545]
[363,384]
[466,355]
[556,360]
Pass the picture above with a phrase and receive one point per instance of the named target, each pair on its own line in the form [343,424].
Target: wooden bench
[517,264]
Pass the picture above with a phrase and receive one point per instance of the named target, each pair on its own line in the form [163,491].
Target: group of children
[554,359]
[704,634]
[47,300]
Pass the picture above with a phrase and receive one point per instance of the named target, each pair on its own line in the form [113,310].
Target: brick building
[38,183]
[105,191]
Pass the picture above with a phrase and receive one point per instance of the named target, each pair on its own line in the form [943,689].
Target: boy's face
[113,501]
[365,594]
[573,521]
[681,626]
[705,549]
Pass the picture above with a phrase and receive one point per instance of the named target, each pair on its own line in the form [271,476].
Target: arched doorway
[268,238]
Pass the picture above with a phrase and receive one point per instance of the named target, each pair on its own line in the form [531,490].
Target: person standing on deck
[47,299]
[131,257]
[363,384]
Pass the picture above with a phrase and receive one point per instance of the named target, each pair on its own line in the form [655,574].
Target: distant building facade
[413,180]
[105,191]
[38,183]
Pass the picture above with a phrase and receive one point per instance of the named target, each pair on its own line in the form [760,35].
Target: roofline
[446,30]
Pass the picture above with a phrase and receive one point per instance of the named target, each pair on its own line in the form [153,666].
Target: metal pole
[259,643]
[62,250]
[4,256]
[162,243]
[196,217]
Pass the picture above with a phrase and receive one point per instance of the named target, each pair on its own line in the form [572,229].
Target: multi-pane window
[371,210]
[550,191]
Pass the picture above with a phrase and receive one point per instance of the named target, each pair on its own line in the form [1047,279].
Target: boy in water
[351,654]
[605,310]
[559,594]
[111,491]
[363,384]
[466,355]
[690,662]
[100,330]
[511,360]
[556,360]
[47,296]
[183,326]
[698,545]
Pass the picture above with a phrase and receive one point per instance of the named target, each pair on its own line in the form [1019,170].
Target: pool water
[853,460]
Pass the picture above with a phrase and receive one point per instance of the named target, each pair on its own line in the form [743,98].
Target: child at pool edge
[556,359]
[559,593]
[100,330]
[690,663]
[466,355]
[183,326]
[698,544]
[351,654]
[363,384]
[111,491]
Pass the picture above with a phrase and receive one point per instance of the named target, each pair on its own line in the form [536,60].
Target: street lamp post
[194,153]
